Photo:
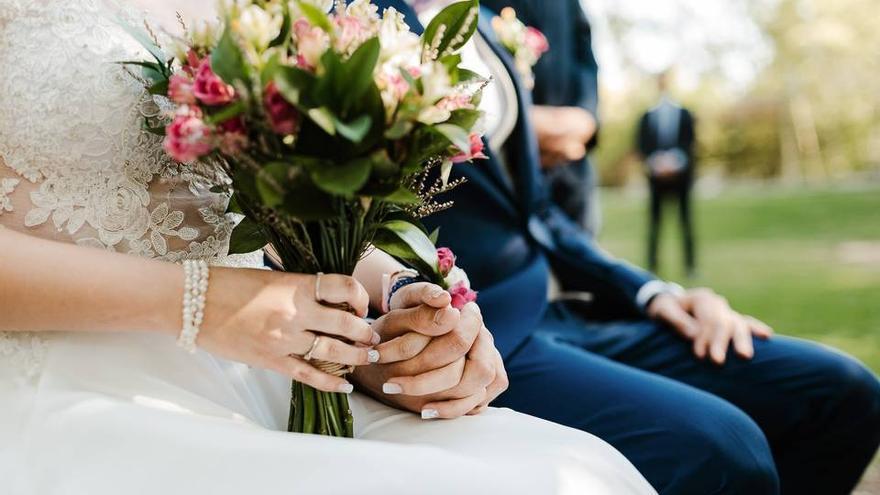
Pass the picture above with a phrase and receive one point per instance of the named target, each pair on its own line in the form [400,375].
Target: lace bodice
[78,166]
[75,164]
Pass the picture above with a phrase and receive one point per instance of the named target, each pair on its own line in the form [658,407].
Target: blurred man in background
[666,141]
[566,98]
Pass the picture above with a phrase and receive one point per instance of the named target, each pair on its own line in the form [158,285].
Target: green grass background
[774,253]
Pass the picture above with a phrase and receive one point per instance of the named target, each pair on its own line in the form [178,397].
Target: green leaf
[343,179]
[142,37]
[227,60]
[324,119]
[284,36]
[355,131]
[399,129]
[315,16]
[460,20]
[269,69]
[469,75]
[271,180]
[247,237]
[434,236]
[459,137]
[233,206]
[403,196]
[306,202]
[404,240]
[230,111]
[159,88]
[293,83]
[465,118]
[358,71]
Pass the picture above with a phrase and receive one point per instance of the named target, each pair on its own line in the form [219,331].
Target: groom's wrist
[654,288]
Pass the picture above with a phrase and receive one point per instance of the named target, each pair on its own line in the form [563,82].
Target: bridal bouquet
[328,121]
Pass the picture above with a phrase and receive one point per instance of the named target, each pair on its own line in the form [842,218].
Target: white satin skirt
[109,414]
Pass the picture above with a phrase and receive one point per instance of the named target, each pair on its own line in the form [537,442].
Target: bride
[97,398]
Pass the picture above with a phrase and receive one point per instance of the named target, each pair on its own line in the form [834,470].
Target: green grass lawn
[783,255]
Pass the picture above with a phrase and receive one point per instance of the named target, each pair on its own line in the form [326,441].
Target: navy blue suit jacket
[568,74]
[508,240]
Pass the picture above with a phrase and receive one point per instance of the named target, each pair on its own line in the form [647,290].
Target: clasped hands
[434,359]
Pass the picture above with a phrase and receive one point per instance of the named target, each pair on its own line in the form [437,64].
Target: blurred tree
[811,113]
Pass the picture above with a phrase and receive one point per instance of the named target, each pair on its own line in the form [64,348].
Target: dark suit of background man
[566,95]
[666,141]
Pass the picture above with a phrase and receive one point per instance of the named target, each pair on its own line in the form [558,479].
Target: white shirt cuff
[654,288]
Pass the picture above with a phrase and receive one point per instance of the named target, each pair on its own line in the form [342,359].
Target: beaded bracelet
[392,283]
[195,287]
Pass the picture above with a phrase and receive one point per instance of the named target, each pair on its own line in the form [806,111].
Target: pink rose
[475,153]
[180,89]
[192,62]
[282,115]
[311,43]
[209,88]
[187,138]
[461,295]
[536,42]
[446,260]
[233,136]
[350,32]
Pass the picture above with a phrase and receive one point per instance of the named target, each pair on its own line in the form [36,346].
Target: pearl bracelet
[195,286]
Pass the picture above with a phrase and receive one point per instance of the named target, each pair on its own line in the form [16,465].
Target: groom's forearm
[47,285]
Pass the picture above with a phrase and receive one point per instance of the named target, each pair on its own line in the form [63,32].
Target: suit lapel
[522,146]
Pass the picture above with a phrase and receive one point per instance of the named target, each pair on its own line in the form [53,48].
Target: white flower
[258,26]
[401,48]
[363,10]
[455,276]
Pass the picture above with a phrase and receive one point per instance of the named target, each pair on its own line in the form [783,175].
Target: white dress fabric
[131,413]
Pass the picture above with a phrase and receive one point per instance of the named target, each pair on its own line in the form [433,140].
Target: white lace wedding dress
[132,413]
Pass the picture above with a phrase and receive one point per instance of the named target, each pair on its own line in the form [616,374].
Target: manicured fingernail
[438,316]
[373,356]
[430,414]
[392,388]
[376,338]
[346,388]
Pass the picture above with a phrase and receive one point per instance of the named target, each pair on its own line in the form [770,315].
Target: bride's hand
[269,319]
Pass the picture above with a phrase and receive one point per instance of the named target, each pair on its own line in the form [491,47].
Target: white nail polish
[391,388]
[346,388]
[430,414]
[373,356]
[376,338]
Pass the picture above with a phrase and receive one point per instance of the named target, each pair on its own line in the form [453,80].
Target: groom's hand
[705,318]
[434,359]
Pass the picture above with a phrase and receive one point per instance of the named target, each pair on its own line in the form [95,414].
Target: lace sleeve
[78,166]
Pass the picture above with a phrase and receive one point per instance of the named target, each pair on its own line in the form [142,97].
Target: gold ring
[308,355]
[318,287]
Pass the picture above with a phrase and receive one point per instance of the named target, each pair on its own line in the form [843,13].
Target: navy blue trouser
[799,418]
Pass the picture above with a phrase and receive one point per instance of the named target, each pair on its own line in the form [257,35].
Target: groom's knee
[721,450]
[849,398]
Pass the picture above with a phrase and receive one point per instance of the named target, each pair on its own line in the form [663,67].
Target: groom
[648,369]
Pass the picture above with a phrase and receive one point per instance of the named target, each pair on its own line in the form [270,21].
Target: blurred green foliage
[813,113]
[805,260]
